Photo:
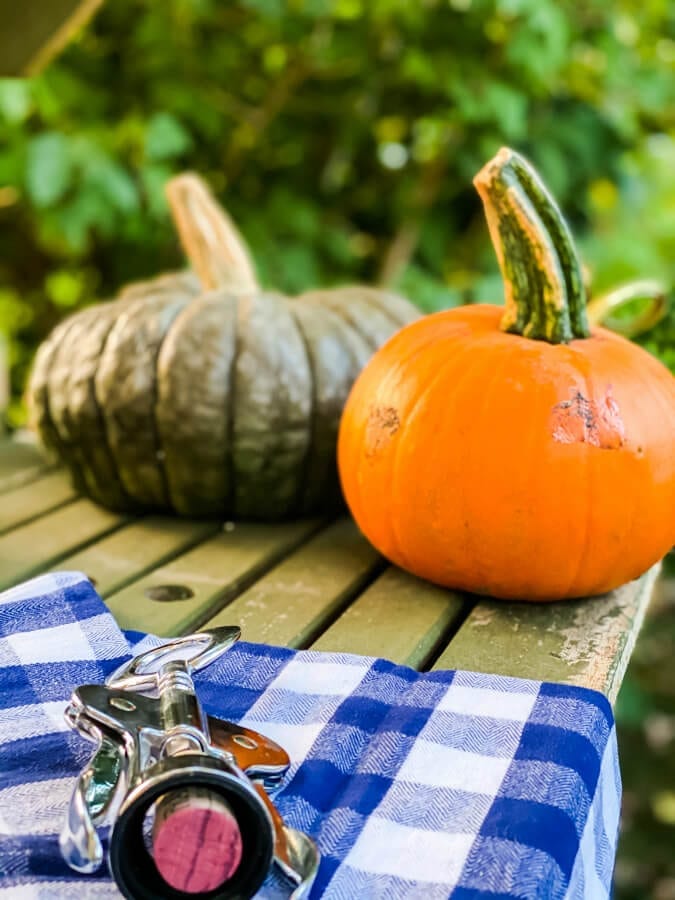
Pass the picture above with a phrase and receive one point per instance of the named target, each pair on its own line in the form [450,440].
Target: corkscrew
[184,793]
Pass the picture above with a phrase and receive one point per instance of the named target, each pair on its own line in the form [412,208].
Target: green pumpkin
[203,393]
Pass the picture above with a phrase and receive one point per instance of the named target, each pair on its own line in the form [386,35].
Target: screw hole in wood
[168,593]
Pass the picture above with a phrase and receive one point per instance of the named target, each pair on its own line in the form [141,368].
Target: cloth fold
[415,785]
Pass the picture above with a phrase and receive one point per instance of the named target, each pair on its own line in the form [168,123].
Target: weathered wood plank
[19,464]
[40,544]
[22,504]
[213,572]
[302,595]
[399,617]
[135,550]
[584,642]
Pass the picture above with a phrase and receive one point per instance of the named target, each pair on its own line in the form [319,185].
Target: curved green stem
[653,308]
[544,287]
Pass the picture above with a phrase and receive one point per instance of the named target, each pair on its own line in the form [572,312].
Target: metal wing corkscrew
[185,793]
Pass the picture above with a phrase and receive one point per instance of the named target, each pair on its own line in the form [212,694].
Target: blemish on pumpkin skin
[383,423]
[596,422]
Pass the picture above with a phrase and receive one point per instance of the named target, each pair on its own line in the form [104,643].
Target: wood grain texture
[43,543]
[399,617]
[585,642]
[35,498]
[303,584]
[214,572]
[135,550]
[302,595]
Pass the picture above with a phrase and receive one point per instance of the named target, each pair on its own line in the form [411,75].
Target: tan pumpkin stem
[210,239]
[543,281]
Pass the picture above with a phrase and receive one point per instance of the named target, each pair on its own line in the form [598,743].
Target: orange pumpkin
[511,451]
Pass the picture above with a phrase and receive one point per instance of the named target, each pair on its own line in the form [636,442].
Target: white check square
[472,701]
[40,587]
[20,722]
[62,643]
[297,740]
[37,807]
[328,679]
[445,767]
[386,848]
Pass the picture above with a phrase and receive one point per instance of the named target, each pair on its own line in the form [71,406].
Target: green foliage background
[343,136]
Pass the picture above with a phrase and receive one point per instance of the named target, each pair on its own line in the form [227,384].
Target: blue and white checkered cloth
[437,785]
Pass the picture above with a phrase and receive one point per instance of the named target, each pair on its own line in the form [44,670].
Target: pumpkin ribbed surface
[496,464]
[512,466]
[208,395]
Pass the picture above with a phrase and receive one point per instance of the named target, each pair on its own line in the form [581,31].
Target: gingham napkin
[445,784]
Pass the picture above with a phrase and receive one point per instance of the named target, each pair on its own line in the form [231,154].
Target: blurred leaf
[272,8]
[13,313]
[114,184]
[13,165]
[154,179]
[318,123]
[509,110]
[165,137]
[65,287]
[15,99]
[48,168]
[430,294]
[78,218]
[293,264]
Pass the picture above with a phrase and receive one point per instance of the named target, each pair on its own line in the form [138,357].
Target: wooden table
[303,584]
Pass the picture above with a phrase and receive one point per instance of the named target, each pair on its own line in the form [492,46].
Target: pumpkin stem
[210,239]
[543,281]
[652,308]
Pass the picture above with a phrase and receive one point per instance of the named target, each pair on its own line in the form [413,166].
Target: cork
[196,841]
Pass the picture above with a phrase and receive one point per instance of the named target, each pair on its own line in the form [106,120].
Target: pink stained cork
[196,841]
